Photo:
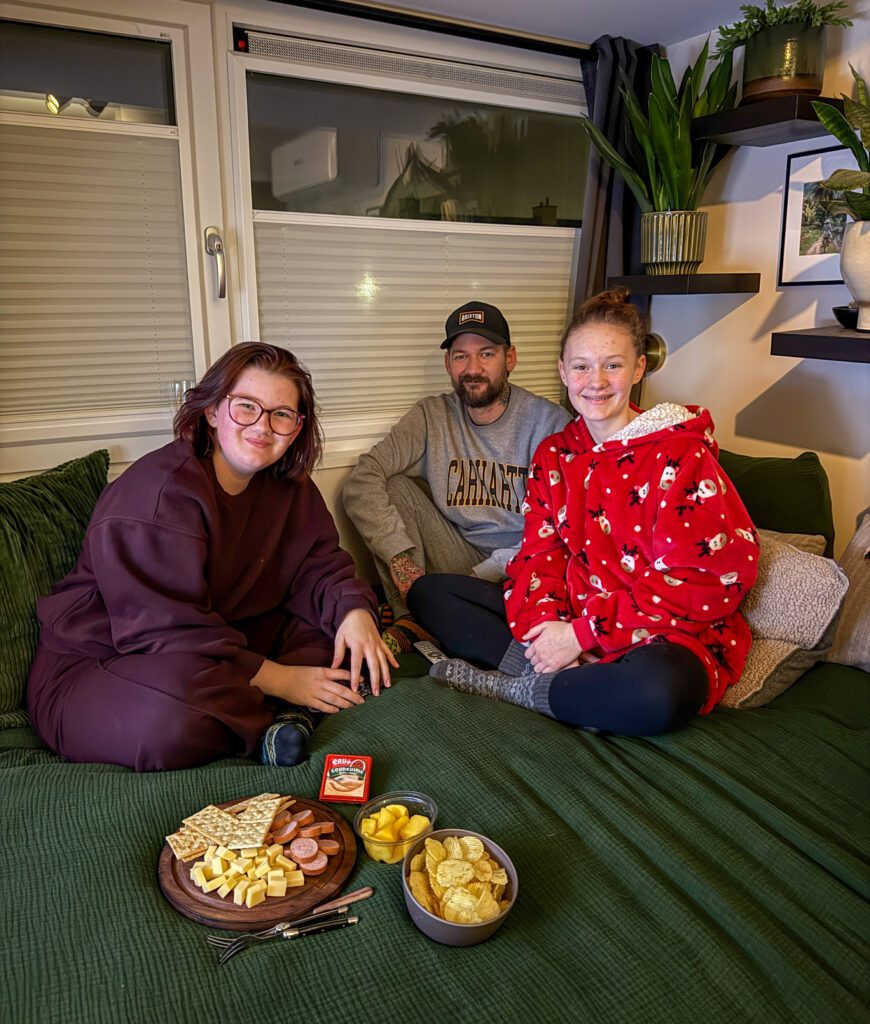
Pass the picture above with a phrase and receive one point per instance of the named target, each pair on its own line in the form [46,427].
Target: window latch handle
[214,246]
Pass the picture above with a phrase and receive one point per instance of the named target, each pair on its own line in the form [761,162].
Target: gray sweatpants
[438,545]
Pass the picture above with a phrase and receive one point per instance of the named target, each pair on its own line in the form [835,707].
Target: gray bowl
[847,316]
[447,932]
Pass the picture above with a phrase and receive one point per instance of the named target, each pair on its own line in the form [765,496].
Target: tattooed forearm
[404,571]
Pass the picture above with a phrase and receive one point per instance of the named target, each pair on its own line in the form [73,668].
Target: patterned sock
[529,690]
[285,741]
[403,634]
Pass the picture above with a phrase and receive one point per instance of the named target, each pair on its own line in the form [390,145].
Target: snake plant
[664,168]
[852,128]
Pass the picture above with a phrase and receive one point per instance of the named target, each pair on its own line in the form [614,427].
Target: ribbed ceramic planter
[855,267]
[673,242]
[784,60]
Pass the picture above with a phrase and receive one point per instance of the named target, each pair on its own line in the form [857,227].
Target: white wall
[719,345]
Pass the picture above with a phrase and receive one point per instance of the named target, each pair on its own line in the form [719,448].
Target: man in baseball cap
[443,492]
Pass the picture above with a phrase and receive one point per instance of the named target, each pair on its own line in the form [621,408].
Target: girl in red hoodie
[620,611]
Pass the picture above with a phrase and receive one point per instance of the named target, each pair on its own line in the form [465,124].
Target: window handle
[214,246]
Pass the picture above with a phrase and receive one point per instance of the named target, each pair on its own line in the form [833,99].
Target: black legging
[651,689]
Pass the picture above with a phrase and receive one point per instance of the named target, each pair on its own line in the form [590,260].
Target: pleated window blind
[94,301]
[364,307]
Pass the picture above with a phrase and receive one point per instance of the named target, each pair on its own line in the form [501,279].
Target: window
[378,191]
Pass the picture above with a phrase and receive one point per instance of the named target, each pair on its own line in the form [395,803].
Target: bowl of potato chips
[459,886]
[390,824]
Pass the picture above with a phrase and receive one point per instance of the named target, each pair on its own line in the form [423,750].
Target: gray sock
[529,690]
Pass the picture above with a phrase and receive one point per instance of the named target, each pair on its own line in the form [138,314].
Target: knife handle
[316,927]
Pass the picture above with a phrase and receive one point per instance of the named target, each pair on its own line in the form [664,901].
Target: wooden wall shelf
[830,342]
[766,123]
[687,284]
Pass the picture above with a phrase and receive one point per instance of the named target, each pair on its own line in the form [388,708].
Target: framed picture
[809,251]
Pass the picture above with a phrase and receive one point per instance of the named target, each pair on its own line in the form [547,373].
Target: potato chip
[453,872]
[487,908]
[482,870]
[437,890]
[453,848]
[472,848]
[478,888]
[418,862]
[418,883]
[460,906]
[497,892]
[499,877]
[435,850]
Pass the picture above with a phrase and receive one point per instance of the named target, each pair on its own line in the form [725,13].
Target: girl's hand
[555,646]
[359,636]
[323,689]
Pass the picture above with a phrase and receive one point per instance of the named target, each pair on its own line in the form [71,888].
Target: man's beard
[477,399]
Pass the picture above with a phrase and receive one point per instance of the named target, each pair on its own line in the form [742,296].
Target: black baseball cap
[477,318]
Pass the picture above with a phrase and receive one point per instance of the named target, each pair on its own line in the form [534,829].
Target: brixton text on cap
[477,318]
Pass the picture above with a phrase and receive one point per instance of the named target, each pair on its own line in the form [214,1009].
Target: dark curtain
[610,236]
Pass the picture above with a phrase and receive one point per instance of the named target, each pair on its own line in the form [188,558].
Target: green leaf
[840,128]
[701,177]
[863,98]
[846,179]
[858,117]
[663,82]
[859,205]
[697,73]
[663,143]
[609,154]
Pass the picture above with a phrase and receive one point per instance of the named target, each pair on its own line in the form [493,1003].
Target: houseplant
[666,171]
[785,46]
[852,128]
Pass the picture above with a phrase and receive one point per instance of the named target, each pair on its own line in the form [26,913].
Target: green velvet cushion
[788,495]
[42,524]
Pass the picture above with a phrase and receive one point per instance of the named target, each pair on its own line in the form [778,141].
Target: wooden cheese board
[210,909]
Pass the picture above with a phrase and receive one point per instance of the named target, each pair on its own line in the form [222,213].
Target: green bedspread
[713,875]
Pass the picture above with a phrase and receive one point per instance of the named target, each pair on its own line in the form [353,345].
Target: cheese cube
[277,887]
[251,873]
[285,862]
[224,853]
[274,875]
[227,887]
[241,864]
[232,872]
[217,867]
[213,883]
[198,875]
[256,894]
[239,891]
[274,850]
[262,869]
[250,851]
[294,878]
[210,852]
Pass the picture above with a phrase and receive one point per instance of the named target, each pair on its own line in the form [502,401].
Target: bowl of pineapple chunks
[459,886]
[390,824]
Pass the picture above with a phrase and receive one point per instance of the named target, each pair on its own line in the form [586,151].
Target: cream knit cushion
[852,640]
[791,611]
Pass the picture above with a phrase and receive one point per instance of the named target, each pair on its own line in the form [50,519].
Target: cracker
[226,829]
[186,843]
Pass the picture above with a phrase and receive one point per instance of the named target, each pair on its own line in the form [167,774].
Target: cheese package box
[346,778]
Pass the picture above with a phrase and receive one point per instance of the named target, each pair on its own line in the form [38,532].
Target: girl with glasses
[212,612]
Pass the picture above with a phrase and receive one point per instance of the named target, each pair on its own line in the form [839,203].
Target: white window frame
[345,441]
[26,445]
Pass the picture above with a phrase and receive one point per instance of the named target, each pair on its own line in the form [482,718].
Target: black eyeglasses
[247,411]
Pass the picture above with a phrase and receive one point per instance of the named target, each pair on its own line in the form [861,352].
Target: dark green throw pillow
[786,495]
[42,525]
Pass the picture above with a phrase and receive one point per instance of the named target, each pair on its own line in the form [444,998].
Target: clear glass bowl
[415,804]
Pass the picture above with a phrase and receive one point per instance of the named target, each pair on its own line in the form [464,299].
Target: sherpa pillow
[792,612]
[42,525]
[852,640]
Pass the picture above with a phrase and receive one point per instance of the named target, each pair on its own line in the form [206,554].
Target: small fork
[333,908]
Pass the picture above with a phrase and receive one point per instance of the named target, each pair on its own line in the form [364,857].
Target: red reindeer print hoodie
[638,538]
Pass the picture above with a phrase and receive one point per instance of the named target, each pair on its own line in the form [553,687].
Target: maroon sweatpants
[154,712]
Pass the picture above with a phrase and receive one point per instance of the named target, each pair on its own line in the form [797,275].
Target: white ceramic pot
[855,267]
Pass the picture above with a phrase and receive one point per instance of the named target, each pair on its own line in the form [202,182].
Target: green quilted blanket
[716,874]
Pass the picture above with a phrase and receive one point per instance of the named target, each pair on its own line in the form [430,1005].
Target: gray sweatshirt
[477,474]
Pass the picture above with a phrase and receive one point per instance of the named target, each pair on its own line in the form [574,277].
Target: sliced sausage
[315,866]
[280,820]
[325,827]
[304,817]
[329,846]
[288,832]
[303,850]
